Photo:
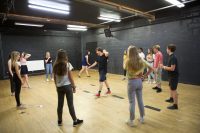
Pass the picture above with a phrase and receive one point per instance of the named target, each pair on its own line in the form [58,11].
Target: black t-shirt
[49,60]
[173,61]
[102,62]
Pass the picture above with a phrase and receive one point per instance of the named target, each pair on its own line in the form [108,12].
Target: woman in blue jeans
[135,67]
[48,66]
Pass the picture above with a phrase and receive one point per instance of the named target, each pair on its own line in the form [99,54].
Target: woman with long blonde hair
[135,67]
[65,86]
[15,56]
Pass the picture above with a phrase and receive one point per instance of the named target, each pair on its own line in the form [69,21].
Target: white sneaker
[130,123]
[141,120]
[47,80]
[52,79]
[154,82]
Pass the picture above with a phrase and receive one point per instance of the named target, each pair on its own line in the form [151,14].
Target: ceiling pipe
[151,11]
[47,20]
[118,7]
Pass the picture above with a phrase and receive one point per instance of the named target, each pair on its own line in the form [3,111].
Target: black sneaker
[170,100]
[173,107]
[59,123]
[159,90]
[77,122]
[155,88]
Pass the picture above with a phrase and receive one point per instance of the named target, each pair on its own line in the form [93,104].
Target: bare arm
[106,53]
[9,68]
[87,60]
[47,60]
[27,56]
[150,69]
[171,68]
[71,79]
[94,64]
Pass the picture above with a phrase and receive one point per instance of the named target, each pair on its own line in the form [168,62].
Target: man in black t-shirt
[173,74]
[102,61]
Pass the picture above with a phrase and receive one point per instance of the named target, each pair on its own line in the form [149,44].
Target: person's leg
[101,81]
[86,70]
[50,71]
[17,91]
[47,71]
[69,96]
[159,79]
[131,98]
[11,85]
[173,85]
[140,100]
[83,68]
[61,95]
[26,80]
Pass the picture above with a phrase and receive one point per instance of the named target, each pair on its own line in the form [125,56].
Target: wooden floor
[102,115]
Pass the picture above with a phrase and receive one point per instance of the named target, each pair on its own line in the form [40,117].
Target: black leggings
[124,72]
[62,91]
[12,88]
[17,84]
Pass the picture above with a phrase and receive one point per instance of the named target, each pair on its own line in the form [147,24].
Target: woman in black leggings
[16,77]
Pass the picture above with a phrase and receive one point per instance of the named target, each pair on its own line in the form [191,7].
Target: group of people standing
[134,66]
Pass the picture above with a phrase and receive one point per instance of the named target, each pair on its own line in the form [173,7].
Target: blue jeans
[135,89]
[49,70]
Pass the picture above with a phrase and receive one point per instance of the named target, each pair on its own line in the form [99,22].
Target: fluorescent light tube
[50,4]
[176,3]
[77,29]
[109,19]
[48,9]
[77,26]
[28,24]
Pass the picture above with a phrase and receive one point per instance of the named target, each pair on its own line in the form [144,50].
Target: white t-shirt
[142,55]
[64,80]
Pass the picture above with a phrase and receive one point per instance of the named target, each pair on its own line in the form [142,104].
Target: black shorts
[24,69]
[102,76]
[173,83]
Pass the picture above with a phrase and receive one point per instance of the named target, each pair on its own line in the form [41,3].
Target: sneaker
[173,107]
[154,82]
[52,79]
[130,123]
[21,106]
[155,88]
[170,100]
[97,95]
[108,92]
[159,90]
[141,120]
[77,122]
[59,123]
[47,80]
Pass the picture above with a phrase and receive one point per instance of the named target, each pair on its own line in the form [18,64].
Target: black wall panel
[38,44]
[184,33]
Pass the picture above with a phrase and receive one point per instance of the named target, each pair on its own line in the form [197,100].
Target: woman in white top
[24,68]
[65,86]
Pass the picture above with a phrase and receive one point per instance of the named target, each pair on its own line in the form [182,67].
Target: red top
[158,59]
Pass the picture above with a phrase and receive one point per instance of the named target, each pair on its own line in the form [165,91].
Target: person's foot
[108,92]
[173,107]
[21,106]
[47,80]
[59,123]
[141,120]
[98,95]
[52,79]
[154,82]
[130,123]
[170,100]
[12,94]
[88,76]
[159,90]
[124,78]
[79,76]
[77,122]
[155,88]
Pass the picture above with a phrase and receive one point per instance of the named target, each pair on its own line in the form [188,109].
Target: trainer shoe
[173,107]
[59,123]
[77,122]
[130,123]
[155,88]
[159,90]
[141,120]
[170,100]
[97,95]
[108,92]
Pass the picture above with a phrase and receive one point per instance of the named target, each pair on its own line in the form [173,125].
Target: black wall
[37,43]
[184,33]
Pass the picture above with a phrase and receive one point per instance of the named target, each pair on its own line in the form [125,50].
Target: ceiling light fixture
[48,5]
[77,27]
[176,3]
[29,24]
[109,17]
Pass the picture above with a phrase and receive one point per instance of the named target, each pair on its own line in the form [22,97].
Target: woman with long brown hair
[65,86]
[15,55]
[135,67]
